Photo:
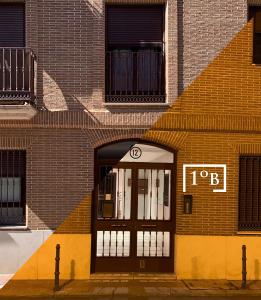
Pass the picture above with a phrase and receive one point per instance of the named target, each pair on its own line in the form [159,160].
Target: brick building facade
[211,115]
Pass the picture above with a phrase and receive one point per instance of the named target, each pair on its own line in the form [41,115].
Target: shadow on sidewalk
[72,276]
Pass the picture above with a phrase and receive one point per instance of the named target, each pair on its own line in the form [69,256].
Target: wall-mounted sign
[135,152]
[198,171]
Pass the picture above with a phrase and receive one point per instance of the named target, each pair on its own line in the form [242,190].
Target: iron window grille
[12,187]
[250,193]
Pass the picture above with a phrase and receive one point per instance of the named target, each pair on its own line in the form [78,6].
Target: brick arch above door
[172,139]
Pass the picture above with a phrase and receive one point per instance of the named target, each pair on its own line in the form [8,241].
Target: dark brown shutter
[255,12]
[12,25]
[251,12]
[250,193]
[134,25]
[257,37]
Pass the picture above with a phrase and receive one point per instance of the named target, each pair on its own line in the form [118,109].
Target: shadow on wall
[66,53]
[257,269]
[72,275]
[6,239]
[8,254]
[195,271]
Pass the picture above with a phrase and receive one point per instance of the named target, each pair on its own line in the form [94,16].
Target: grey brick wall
[68,39]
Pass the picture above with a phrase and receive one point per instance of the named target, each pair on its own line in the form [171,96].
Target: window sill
[136,105]
[248,233]
[14,228]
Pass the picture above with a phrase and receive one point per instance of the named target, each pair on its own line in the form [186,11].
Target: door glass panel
[113,244]
[154,194]
[114,193]
[153,244]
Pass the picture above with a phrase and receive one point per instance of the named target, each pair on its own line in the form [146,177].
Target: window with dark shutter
[135,70]
[17,63]
[12,25]
[250,193]
[12,187]
[134,26]
[255,12]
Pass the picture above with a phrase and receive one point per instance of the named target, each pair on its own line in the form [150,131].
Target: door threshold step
[133,276]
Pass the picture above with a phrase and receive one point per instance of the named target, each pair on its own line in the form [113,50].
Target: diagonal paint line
[4,279]
[196,98]
[176,107]
[78,215]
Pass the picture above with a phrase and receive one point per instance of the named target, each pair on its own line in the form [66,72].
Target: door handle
[118,225]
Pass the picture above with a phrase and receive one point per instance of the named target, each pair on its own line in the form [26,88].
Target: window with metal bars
[250,193]
[12,187]
[255,13]
[135,67]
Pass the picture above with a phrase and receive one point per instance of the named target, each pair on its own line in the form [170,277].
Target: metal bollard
[244,268]
[57,269]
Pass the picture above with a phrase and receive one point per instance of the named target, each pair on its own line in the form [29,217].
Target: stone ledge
[17,112]
[167,121]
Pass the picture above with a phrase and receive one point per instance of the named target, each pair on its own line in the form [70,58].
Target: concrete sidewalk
[129,288]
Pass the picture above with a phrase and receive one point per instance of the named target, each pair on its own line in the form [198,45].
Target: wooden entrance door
[134,221]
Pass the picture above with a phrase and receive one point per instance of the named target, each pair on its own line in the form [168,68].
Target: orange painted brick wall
[215,118]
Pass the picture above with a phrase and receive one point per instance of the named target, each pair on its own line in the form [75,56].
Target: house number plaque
[135,152]
[202,170]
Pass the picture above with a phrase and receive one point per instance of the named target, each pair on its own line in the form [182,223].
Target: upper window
[250,193]
[135,53]
[255,12]
[12,187]
[17,64]
[12,25]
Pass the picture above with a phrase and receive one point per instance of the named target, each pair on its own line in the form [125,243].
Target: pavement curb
[190,293]
[132,289]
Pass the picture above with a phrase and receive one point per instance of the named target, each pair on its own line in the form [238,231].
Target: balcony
[17,76]
[135,76]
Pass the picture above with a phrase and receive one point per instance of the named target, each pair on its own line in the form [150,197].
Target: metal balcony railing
[17,75]
[136,76]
